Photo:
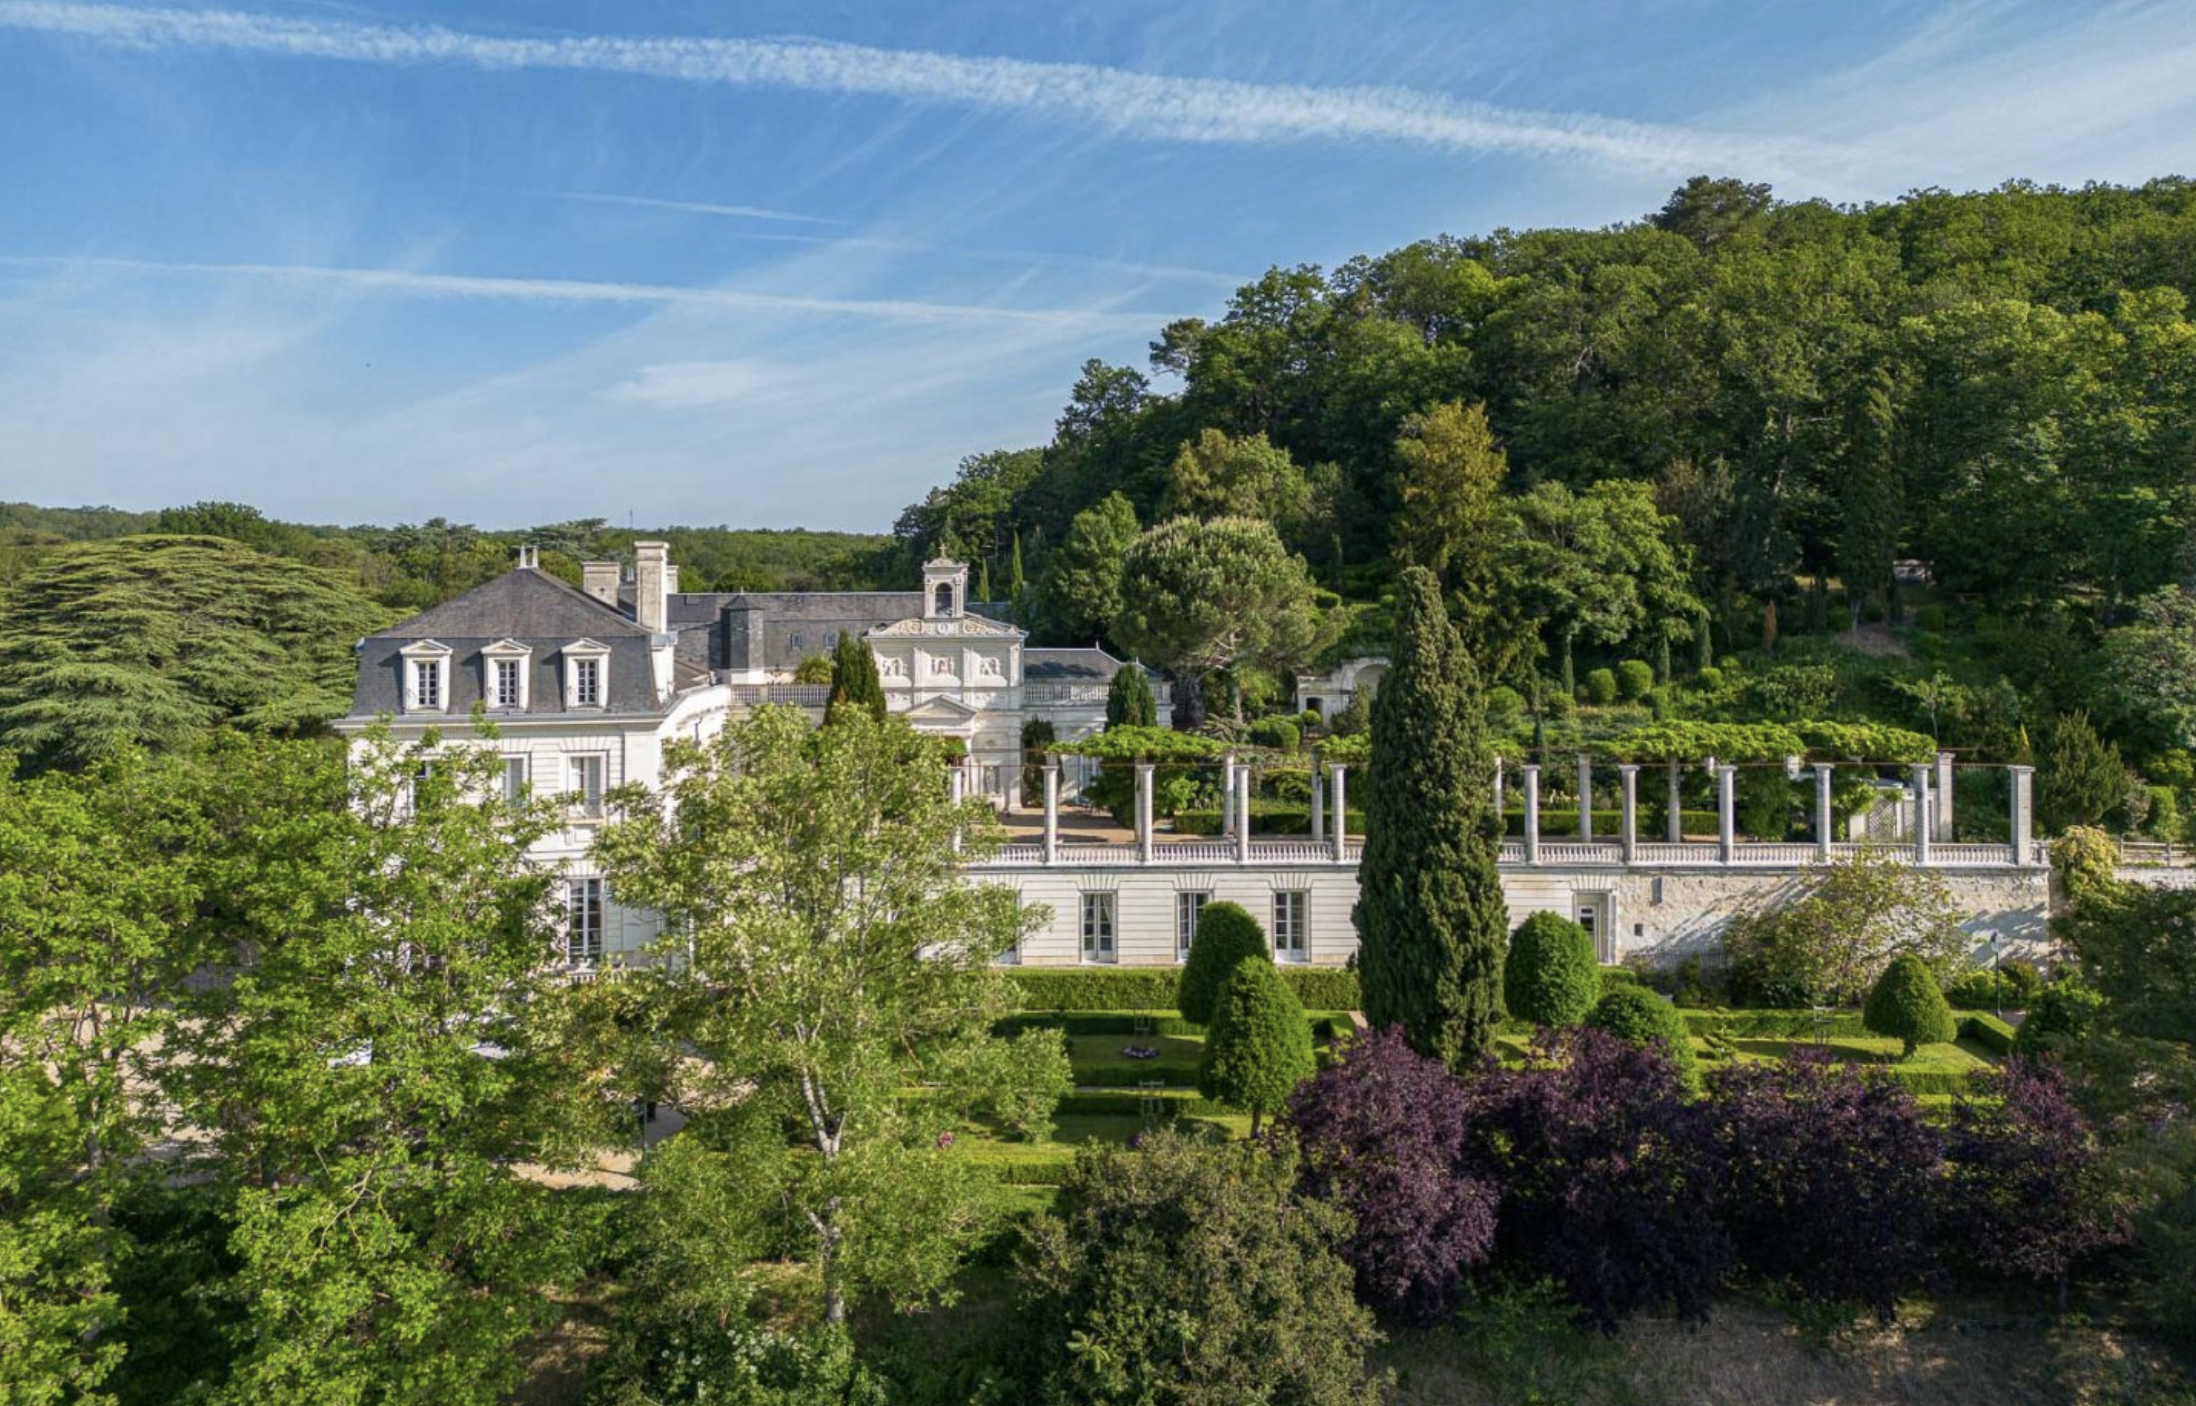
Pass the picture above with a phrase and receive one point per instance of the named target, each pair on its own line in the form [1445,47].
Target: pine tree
[1128,700]
[1259,1047]
[854,681]
[1430,918]
[2083,778]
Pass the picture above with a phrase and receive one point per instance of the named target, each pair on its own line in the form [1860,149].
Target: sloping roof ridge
[449,617]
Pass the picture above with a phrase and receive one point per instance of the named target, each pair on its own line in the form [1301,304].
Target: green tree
[1259,1046]
[1830,945]
[1207,596]
[1906,1004]
[1448,490]
[2082,779]
[854,682]
[155,641]
[1129,700]
[1195,1273]
[1226,936]
[1081,590]
[2150,668]
[829,954]
[1430,918]
[1640,1017]
[1551,976]
[1217,475]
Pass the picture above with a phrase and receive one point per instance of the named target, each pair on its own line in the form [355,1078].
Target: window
[587,683]
[427,684]
[586,773]
[1012,957]
[942,601]
[1187,908]
[508,688]
[1098,927]
[1291,931]
[1589,918]
[514,780]
[583,923]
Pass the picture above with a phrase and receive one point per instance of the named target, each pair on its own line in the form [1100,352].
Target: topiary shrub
[1907,1006]
[1280,734]
[1638,1015]
[1258,1047]
[1551,976]
[1226,935]
[1708,678]
[1309,719]
[1634,677]
[1601,687]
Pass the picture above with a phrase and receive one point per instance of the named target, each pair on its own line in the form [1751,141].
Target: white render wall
[1663,916]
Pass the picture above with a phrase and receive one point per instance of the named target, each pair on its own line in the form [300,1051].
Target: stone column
[1675,821]
[1243,814]
[1341,813]
[1143,812]
[1628,837]
[2022,779]
[1227,795]
[1319,798]
[1922,818]
[1498,787]
[957,792]
[1944,798]
[1726,811]
[1532,812]
[1585,798]
[1823,819]
[1052,808]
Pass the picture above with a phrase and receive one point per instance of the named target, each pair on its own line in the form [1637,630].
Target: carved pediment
[958,627]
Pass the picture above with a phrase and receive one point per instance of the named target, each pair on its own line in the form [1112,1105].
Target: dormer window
[586,675]
[504,681]
[426,668]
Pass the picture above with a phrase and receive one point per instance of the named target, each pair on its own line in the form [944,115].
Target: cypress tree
[854,681]
[1259,1047]
[1017,584]
[1128,700]
[1227,936]
[1430,919]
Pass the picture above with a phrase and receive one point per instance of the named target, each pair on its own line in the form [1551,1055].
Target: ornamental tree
[830,953]
[1830,946]
[1129,702]
[1430,917]
[1206,596]
[854,681]
[1551,976]
[1607,1173]
[1382,1135]
[1259,1046]
[2029,1193]
[1907,1005]
[1226,936]
[1830,1179]
[1192,1271]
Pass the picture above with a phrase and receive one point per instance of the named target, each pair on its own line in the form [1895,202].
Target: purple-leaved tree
[2028,1193]
[1831,1179]
[1382,1135]
[1608,1175]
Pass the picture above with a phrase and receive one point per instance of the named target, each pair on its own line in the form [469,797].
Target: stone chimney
[651,586]
[600,580]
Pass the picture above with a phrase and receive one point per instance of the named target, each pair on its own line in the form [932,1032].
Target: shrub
[1608,1175]
[1708,678]
[1907,1006]
[1309,720]
[1324,988]
[1640,1017]
[1601,688]
[1019,1081]
[2164,822]
[1551,976]
[1829,947]
[1829,1180]
[1189,1262]
[1929,619]
[1258,1047]
[2029,1193]
[1095,989]
[2013,985]
[1382,1134]
[1280,734]
[1505,705]
[814,671]
[1993,1034]
[1634,677]
[2064,1013]
[1555,702]
[1226,935]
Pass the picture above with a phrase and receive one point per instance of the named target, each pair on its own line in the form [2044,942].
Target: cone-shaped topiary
[1907,1005]
[1259,1047]
[1551,976]
[1637,1015]
[1226,934]
[1430,918]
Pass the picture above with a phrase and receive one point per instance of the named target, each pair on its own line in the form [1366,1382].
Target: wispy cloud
[402,282]
[1152,106]
[693,207]
[688,385]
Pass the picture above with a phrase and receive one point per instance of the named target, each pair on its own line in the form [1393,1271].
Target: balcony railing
[1553,854]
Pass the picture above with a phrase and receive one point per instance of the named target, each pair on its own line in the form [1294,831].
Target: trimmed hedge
[1114,990]
[1990,1032]
[1326,1025]
[1173,1103]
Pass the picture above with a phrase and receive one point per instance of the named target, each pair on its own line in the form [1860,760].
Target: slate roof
[529,608]
[1069,666]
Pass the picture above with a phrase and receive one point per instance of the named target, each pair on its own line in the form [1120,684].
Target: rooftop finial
[529,557]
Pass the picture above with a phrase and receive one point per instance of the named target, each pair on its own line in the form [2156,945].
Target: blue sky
[775,264]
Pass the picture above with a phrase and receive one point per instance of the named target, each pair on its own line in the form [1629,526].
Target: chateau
[585,686]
